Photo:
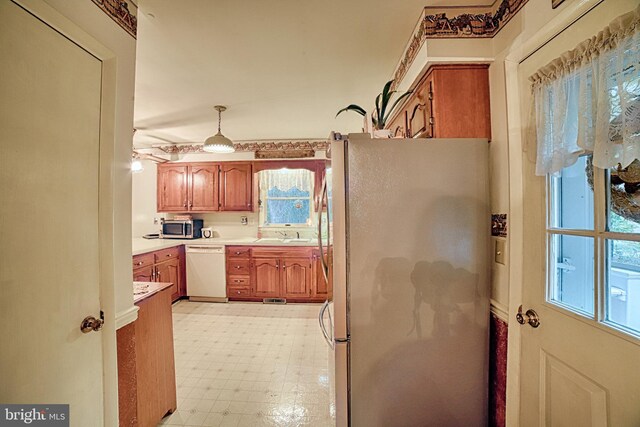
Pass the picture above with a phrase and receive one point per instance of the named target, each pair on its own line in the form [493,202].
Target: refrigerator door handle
[327,338]
[323,193]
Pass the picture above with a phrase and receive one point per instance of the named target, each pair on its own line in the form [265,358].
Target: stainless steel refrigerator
[408,323]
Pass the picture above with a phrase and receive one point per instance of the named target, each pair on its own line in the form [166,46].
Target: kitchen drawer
[144,260]
[239,281]
[238,252]
[238,291]
[167,254]
[238,267]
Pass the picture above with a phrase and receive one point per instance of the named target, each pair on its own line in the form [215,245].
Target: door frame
[519,52]
[54,19]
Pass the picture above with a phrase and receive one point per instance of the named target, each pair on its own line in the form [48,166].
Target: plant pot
[382,133]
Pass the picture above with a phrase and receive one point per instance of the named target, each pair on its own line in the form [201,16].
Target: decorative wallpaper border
[499,225]
[261,146]
[118,10]
[434,24]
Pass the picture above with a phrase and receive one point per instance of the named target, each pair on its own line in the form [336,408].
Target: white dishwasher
[206,278]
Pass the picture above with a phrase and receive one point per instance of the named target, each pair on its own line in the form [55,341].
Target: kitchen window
[286,197]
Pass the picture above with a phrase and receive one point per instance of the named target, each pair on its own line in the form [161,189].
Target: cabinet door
[266,276]
[203,188]
[143,274]
[320,287]
[172,188]
[235,187]
[169,271]
[296,277]
[419,111]
[398,125]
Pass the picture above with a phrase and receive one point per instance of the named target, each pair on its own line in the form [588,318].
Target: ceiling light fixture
[219,143]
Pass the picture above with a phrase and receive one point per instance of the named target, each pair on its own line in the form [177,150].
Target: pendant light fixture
[219,143]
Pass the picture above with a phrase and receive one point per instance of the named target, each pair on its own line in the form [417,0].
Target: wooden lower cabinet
[266,277]
[166,265]
[295,278]
[321,287]
[146,369]
[155,368]
[169,271]
[275,272]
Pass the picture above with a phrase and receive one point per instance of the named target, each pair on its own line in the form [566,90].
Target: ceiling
[283,67]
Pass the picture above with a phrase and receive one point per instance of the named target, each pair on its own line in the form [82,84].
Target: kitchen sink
[270,239]
[297,240]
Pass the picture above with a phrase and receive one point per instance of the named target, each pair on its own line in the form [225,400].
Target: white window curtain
[286,179]
[588,101]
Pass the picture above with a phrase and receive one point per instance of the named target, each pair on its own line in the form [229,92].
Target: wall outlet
[156,221]
[244,220]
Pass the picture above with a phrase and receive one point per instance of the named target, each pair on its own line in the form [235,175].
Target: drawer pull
[238,292]
[238,267]
[168,255]
[238,253]
[139,263]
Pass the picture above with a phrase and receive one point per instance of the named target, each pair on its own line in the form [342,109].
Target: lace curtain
[588,101]
[286,179]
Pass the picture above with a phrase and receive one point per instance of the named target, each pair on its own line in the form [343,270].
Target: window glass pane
[623,284]
[287,211]
[572,272]
[285,196]
[624,199]
[572,197]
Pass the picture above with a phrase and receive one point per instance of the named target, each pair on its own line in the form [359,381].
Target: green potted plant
[382,111]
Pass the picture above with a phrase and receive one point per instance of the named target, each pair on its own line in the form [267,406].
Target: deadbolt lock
[530,317]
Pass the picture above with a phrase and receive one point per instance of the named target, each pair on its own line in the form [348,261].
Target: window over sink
[286,197]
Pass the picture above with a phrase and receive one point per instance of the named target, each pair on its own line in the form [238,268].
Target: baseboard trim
[500,310]
[127,316]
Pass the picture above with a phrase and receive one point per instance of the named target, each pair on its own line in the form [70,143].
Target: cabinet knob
[237,292]
[139,263]
[238,253]
[238,267]
[168,255]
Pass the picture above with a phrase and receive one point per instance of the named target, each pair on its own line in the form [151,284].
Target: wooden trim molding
[255,146]
[475,22]
[118,10]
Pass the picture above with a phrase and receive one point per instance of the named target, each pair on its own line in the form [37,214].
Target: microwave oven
[181,229]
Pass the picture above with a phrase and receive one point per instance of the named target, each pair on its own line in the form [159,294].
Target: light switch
[499,255]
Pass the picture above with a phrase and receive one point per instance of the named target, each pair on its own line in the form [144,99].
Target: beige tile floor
[249,364]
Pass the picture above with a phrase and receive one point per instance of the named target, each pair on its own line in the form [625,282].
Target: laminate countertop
[142,246]
[143,290]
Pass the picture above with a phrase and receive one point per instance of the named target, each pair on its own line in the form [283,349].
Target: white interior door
[50,100]
[578,368]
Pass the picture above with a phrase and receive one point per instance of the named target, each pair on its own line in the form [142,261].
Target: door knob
[530,317]
[90,323]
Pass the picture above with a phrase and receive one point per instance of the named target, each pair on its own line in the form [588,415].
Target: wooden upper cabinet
[449,101]
[266,276]
[173,188]
[296,277]
[236,186]
[398,125]
[203,187]
[418,111]
[461,106]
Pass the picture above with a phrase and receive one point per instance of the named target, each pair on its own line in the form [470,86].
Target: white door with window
[581,251]
[51,95]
